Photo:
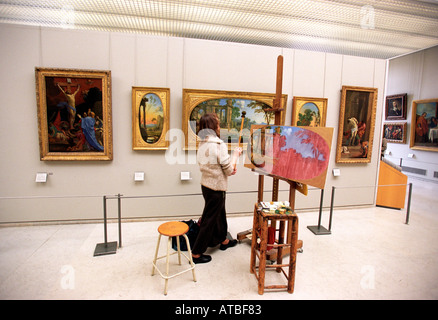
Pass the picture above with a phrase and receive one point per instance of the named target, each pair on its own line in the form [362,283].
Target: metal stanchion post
[331,208]
[408,209]
[319,230]
[119,207]
[106,247]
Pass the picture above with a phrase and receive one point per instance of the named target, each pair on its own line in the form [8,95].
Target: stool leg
[189,250]
[179,250]
[156,254]
[169,245]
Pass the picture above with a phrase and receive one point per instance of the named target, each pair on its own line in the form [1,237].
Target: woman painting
[215,165]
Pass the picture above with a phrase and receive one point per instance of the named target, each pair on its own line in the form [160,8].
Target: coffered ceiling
[378,29]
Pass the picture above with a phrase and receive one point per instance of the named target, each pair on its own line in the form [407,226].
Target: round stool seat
[173,228]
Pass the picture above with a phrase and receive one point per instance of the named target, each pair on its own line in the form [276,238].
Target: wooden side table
[287,238]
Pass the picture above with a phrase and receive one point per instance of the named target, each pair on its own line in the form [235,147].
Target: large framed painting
[395,132]
[74,114]
[396,107]
[309,112]
[357,118]
[150,118]
[424,126]
[229,106]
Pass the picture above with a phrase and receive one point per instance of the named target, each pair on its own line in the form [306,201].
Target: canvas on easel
[300,154]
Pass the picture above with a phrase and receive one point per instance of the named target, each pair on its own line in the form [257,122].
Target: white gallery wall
[74,189]
[417,75]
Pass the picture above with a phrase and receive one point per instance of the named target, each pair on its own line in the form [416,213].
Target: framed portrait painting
[74,114]
[357,118]
[396,107]
[395,132]
[229,107]
[424,125]
[150,118]
[309,112]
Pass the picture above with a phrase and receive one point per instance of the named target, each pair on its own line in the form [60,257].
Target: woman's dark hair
[208,125]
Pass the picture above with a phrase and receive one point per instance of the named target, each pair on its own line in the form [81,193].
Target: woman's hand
[236,155]
[238,151]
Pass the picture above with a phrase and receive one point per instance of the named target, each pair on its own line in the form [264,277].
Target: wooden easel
[275,183]
[260,230]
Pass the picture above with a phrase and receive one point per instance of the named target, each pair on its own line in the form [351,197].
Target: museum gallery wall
[413,79]
[74,189]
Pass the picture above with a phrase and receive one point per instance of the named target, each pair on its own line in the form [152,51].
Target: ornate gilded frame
[149,133]
[395,107]
[355,145]
[427,142]
[230,127]
[306,103]
[69,132]
[395,132]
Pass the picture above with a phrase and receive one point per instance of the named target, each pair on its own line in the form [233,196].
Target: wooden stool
[173,229]
[260,231]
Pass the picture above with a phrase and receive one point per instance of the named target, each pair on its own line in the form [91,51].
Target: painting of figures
[150,119]
[74,114]
[292,153]
[228,106]
[424,125]
[395,132]
[357,118]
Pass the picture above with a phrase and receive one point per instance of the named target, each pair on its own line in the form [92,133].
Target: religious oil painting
[309,112]
[395,132]
[357,118]
[150,118]
[300,154]
[229,106]
[74,114]
[424,125]
[396,107]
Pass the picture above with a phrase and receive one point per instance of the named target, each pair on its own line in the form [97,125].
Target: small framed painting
[309,112]
[396,107]
[150,118]
[395,132]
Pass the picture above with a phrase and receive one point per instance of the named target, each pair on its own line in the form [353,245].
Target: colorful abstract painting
[292,153]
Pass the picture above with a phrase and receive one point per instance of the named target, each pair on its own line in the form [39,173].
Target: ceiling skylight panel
[337,24]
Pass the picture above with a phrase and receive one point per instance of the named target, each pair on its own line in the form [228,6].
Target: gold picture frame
[74,114]
[309,112]
[424,127]
[395,132]
[150,118]
[357,118]
[229,106]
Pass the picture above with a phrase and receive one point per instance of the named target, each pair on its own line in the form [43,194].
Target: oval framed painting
[150,118]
